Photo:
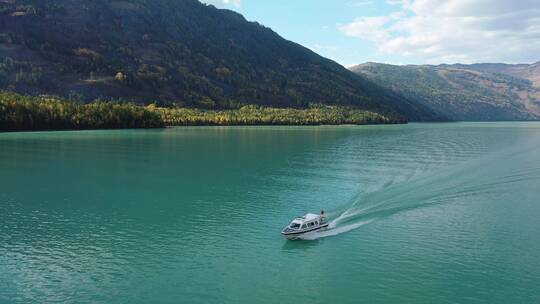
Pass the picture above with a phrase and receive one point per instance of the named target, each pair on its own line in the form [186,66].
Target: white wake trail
[333,231]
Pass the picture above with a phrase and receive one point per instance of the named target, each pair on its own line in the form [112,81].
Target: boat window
[316,223]
[294,225]
[303,226]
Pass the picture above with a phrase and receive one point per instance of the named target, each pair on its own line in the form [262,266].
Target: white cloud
[465,31]
[223,3]
[235,2]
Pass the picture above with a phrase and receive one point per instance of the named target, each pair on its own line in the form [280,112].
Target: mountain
[173,52]
[465,92]
[527,71]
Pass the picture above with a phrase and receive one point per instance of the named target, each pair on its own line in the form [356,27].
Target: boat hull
[297,234]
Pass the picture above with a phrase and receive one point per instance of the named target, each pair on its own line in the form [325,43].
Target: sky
[403,31]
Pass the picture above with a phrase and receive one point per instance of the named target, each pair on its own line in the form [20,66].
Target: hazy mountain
[465,92]
[171,51]
[527,71]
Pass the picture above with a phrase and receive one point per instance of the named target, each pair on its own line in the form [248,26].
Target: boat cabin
[307,223]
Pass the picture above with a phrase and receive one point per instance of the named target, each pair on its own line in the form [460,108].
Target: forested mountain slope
[527,71]
[464,92]
[173,52]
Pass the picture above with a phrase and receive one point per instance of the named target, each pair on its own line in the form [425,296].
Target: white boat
[307,223]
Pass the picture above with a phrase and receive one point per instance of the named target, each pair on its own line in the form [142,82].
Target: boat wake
[333,231]
[459,182]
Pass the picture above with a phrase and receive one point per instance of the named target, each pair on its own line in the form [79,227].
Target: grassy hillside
[180,53]
[461,92]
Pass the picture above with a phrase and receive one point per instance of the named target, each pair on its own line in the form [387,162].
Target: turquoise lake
[421,213]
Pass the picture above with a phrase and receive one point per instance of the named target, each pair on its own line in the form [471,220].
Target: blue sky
[315,24]
[404,31]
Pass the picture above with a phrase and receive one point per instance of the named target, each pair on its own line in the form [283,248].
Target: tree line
[32,113]
[29,113]
[258,115]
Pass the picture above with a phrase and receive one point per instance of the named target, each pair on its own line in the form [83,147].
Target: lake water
[421,213]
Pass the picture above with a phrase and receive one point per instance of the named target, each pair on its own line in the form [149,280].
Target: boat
[308,223]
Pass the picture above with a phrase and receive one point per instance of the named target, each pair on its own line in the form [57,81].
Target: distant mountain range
[182,52]
[487,91]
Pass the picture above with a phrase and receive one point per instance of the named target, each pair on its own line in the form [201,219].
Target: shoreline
[203,126]
[266,125]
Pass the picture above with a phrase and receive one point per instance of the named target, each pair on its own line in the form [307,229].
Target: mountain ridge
[485,91]
[176,53]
